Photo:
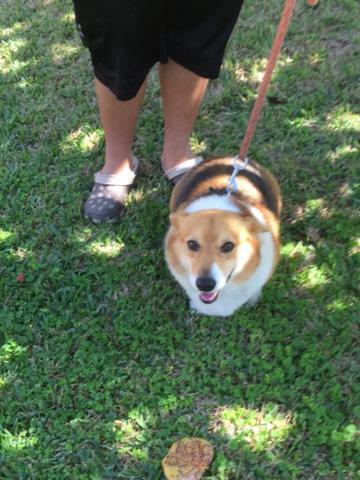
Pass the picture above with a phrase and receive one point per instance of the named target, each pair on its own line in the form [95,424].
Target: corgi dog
[223,247]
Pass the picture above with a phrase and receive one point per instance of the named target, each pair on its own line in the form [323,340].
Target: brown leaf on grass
[20,278]
[188,459]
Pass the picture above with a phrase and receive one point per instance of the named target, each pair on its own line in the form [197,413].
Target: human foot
[175,173]
[107,199]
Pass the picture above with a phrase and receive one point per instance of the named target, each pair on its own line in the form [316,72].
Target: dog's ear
[176,217]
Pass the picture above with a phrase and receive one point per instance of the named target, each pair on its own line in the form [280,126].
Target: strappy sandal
[175,174]
[107,199]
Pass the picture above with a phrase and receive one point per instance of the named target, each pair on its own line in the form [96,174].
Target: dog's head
[210,248]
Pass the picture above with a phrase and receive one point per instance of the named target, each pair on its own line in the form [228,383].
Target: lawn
[102,364]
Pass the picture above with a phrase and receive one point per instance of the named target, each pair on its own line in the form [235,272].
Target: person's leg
[108,196]
[182,92]
[118,119]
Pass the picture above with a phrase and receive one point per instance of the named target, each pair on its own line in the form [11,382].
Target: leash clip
[231,186]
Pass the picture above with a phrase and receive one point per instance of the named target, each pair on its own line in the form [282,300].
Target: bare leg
[118,119]
[107,199]
[182,92]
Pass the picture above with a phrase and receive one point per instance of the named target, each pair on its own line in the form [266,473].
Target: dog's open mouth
[209,297]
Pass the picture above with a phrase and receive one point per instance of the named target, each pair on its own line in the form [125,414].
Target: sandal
[107,199]
[175,173]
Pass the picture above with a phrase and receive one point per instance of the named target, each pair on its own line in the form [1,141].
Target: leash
[241,161]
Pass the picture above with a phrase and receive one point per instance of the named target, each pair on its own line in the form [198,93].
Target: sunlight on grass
[305,121]
[343,119]
[8,62]
[257,71]
[346,190]
[21,253]
[315,58]
[285,60]
[20,441]
[3,382]
[240,74]
[259,429]
[317,206]
[303,255]
[307,274]
[59,51]
[312,276]
[337,305]
[22,84]
[355,249]
[296,250]
[13,46]
[39,3]
[15,67]
[197,145]
[348,434]
[7,241]
[67,17]
[109,248]
[341,151]
[83,236]
[5,235]
[7,32]
[84,139]
[9,351]
[137,196]
[130,434]
[238,70]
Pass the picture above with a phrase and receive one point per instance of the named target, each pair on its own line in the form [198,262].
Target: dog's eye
[193,245]
[227,247]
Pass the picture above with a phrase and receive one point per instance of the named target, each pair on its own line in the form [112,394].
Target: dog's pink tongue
[207,296]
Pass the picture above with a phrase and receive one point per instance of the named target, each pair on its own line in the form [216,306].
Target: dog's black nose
[205,284]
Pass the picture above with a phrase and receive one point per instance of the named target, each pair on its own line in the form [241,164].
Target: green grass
[102,365]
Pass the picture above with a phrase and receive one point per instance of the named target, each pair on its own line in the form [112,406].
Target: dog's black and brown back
[256,185]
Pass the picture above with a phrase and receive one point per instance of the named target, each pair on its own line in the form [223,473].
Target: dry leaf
[20,278]
[188,459]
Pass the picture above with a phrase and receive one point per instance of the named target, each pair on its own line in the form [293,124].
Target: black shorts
[127,37]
